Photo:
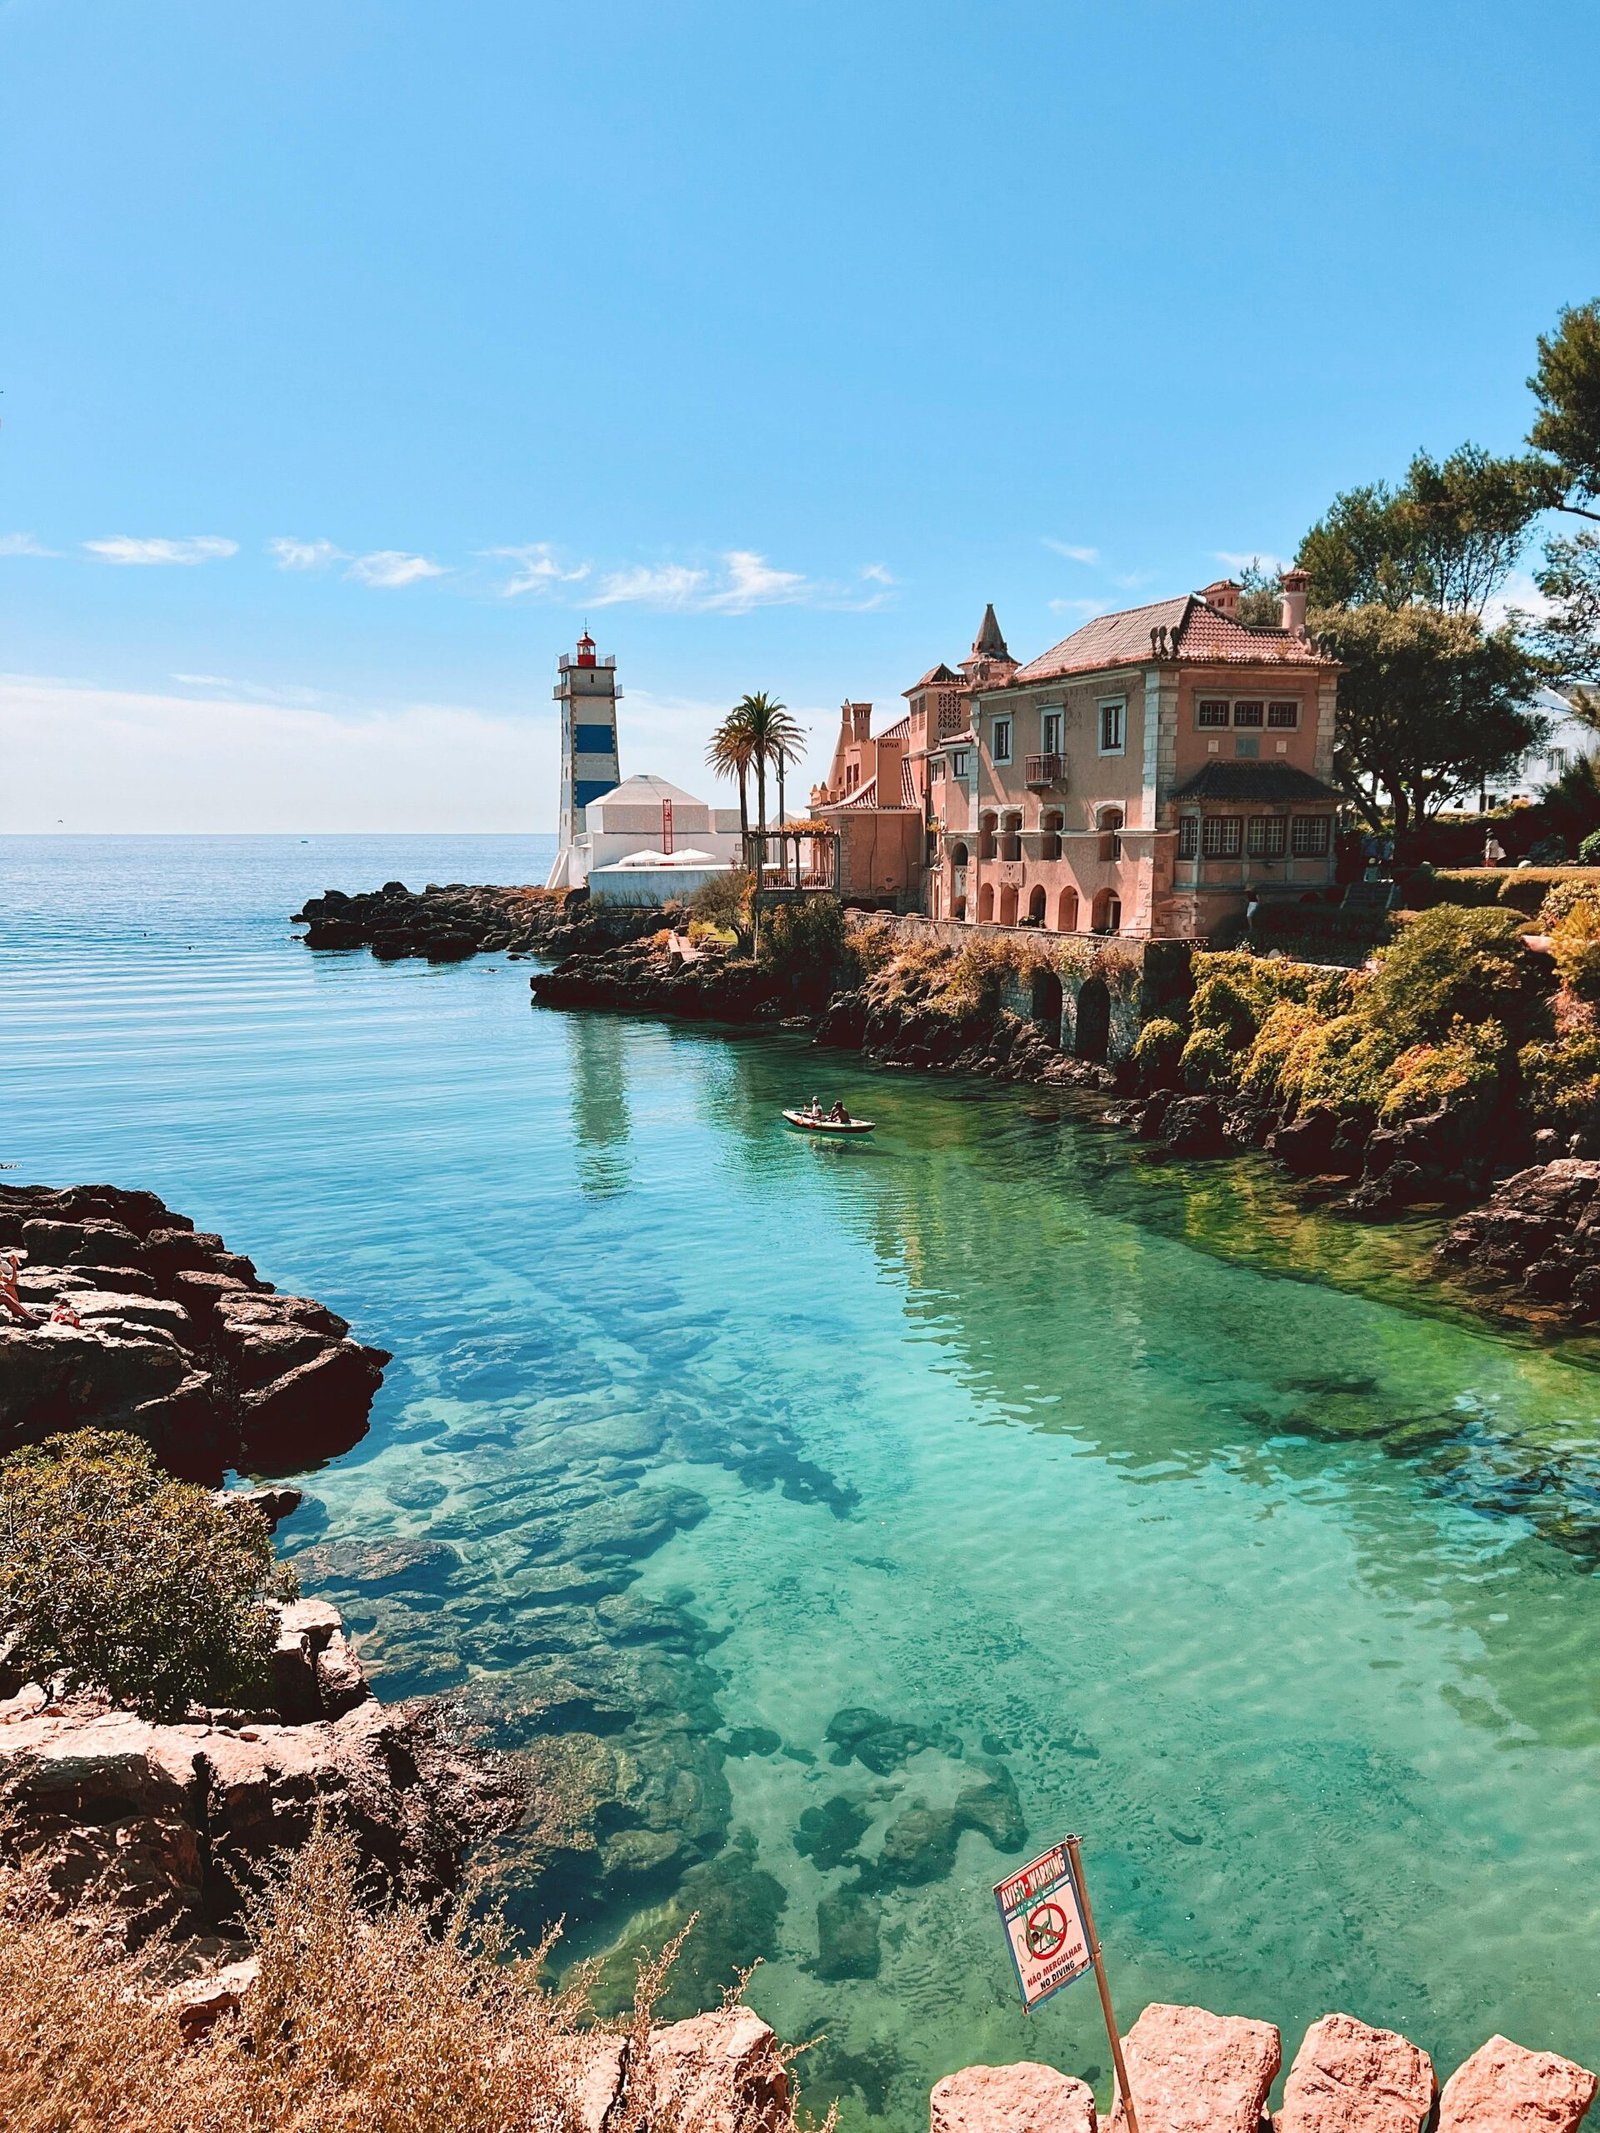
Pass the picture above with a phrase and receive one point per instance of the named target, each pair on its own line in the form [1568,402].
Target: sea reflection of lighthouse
[600,1121]
[587,693]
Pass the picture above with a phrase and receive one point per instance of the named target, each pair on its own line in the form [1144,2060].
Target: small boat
[808,1124]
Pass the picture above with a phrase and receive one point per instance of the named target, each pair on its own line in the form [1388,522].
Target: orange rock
[1194,2072]
[721,2072]
[1504,2088]
[1024,2098]
[1348,2078]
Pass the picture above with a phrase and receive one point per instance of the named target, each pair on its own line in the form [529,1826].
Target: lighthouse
[586,690]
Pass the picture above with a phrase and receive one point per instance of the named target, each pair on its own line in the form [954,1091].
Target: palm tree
[775,739]
[730,756]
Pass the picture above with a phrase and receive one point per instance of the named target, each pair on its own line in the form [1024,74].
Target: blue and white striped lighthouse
[586,690]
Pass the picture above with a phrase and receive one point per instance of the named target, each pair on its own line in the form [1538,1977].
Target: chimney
[1293,584]
[860,721]
[1224,597]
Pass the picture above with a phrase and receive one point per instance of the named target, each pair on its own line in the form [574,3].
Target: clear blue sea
[1184,1513]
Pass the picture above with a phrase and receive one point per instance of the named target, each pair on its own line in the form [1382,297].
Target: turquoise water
[1133,1491]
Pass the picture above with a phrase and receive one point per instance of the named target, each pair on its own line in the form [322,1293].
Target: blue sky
[774,341]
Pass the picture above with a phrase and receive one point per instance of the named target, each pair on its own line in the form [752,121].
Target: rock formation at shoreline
[1538,1236]
[450,923]
[637,977]
[159,1330]
[161,1826]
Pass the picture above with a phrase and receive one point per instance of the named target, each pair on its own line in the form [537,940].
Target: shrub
[1589,850]
[1466,1071]
[117,1578]
[804,941]
[362,2018]
[1208,1060]
[1561,1082]
[1548,852]
[1473,886]
[1451,965]
[724,902]
[1525,888]
[1570,891]
[1575,945]
[1156,1053]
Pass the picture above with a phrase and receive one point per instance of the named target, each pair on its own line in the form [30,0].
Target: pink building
[1149,775]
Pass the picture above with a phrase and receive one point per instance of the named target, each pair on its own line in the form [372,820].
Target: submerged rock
[883,1744]
[828,1835]
[847,1935]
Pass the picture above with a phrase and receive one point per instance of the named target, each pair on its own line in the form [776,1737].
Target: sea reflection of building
[601,1125]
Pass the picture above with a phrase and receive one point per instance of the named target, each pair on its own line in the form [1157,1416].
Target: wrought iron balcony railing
[1044,770]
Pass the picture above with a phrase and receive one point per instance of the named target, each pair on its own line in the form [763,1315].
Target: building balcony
[1044,770]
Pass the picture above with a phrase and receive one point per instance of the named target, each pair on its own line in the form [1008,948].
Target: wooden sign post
[1049,1929]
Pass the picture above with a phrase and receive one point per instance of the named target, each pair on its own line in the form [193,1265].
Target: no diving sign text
[1043,1920]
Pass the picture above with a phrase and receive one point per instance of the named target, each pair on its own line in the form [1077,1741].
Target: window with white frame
[936,767]
[1250,712]
[1050,733]
[1283,717]
[1002,740]
[1268,836]
[1113,712]
[958,762]
[1222,836]
[1188,836]
[1212,712]
[1310,836]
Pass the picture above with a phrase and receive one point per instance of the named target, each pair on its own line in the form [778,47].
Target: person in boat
[814,1109]
[839,1116]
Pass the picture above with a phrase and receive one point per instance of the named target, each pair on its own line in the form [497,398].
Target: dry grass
[377,2021]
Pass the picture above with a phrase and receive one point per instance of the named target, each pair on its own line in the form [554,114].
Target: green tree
[1430,704]
[1566,385]
[1448,537]
[731,753]
[1569,636]
[117,1578]
[1260,605]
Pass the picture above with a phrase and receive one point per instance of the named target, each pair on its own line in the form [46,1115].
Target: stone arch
[958,855]
[1105,914]
[1067,911]
[986,836]
[986,904]
[1011,834]
[1109,822]
[1051,823]
[1047,1003]
[1036,903]
[1008,904]
[1092,1021]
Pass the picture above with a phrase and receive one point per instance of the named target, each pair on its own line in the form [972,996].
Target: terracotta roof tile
[908,784]
[1203,635]
[899,731]
[1253,781]
[934,675]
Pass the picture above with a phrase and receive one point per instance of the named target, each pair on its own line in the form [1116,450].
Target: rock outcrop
[1195,2072]
[1504,2088]
[1023,2098]
[1349,2078]
[642,979]
[461,919]
[129,1318]
[163,1825]
[1537,1238]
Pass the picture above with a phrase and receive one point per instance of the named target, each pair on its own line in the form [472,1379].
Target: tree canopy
[1429,703]
[1566,385]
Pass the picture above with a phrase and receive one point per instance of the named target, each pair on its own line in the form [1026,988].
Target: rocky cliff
[126,1317]
[448,924]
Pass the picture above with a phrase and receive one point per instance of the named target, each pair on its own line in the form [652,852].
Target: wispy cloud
[878,574]
[536,569]
[1076,607]
[743,581]
[1073,554]
[390,567]
[23,544]
[198,548]
[291,554]
[668,585]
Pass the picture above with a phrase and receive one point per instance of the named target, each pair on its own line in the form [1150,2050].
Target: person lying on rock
[10,1302]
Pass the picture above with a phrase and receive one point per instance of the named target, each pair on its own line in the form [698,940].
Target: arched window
[986,846]
[986,904]
[1067,911]
[1050,833]
[1106,914]
[1108,821]
[1036,906]
[1011,836]
[958,855]
[1046,1004]
[1008,905]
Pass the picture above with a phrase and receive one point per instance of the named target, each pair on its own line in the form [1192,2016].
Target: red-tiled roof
[1200,632]
[864,795]
[933,677]
[908,784]
[899,731]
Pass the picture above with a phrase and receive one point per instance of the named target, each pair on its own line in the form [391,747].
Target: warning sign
[1044,1926]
